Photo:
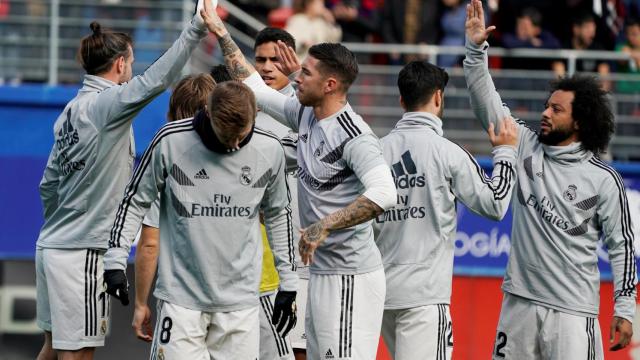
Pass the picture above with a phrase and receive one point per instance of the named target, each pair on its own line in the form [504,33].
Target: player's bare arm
[146,264]
[359,211]
[474,24]
[238,66]
[625,330]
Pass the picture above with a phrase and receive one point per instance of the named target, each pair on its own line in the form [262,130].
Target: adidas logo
[67,136]
[201,175]
[405,165]
[405,173]
[304,137]
[329,354]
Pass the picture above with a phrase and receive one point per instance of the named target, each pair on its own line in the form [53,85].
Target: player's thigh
[345,315]
[298,336]
[388,330]
[424,332]
[179,333]
[517,333]
[78,305]
[567,336]
[272,345]
[234,334]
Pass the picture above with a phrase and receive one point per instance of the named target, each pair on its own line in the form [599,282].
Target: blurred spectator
[312,24]
[410,22]
[358,18]
[452,24]
[583,30]
[608,15]
[529,34]
[631,46]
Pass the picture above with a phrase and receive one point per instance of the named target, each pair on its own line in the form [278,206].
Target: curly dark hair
[590,109]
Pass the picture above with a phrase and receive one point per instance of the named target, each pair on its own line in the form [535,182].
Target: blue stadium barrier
[27,114]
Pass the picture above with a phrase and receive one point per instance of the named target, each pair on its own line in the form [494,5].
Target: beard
[556,136]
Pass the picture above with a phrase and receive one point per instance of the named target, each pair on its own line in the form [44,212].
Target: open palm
[474,25]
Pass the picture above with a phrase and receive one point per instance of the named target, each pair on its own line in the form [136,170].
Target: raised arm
[485,100]
[122,102]
[364,156]
[277,105]
[489,197]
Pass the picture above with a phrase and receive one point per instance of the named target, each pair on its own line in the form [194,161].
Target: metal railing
[39,40]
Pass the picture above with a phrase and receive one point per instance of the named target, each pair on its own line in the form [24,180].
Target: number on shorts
[450,335]
[501,342]
[165,333]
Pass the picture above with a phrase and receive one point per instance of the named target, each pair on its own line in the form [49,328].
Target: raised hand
[507,133]
[474,25]
[288,60]
[212,20]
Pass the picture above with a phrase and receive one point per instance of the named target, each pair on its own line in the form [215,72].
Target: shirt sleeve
[122,102]
[617,229]
[278,224]
[147,181]
[363,154]
[49,184]
[153,216]
[486,103]
[489,197]
[286,110]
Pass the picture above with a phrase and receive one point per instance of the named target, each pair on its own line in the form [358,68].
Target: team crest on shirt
[103,327]
[245,176]
[319,149]
[161,354]
[570,193]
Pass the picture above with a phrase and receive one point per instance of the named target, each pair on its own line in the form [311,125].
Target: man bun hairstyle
[336,60]
[418,81]
[271,34]
[232,106]
[591,109]
[189,96]
[99,50]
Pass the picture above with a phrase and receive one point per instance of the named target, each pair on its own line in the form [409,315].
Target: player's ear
[437,98]
[402,104]
[331,85]
[120,64]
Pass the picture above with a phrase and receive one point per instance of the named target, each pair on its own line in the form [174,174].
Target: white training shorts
[71,299]
[530,331]
[344,315]
[272,345]
[422,332]
[182,333]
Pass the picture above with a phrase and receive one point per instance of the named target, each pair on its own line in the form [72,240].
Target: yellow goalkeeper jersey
[270,280]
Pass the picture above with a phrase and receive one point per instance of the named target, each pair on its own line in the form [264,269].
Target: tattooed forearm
[227,45]
[359,211]
[238,66]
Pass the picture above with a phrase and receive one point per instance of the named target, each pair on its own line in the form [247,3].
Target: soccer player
[89,165]
[216,173]
[188,97]
[416,237]
[274,343]
[566,200]
[343,183]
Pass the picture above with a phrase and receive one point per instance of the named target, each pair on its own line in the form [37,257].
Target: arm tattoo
[227,45]
[359,211]
[238,67]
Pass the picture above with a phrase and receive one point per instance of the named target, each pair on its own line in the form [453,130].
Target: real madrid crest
[103,327]
[245,176]
[161,354]
[570,193]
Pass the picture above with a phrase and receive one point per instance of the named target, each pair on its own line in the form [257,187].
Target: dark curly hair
[590,109]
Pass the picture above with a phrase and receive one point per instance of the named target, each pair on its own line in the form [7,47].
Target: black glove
[117,285]
[284,312]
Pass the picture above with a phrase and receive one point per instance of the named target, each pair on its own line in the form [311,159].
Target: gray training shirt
[566,200]
[333,153]
[210,238]
[431,173]
[93,151]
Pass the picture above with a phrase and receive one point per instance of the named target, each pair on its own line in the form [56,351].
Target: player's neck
[329,105]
